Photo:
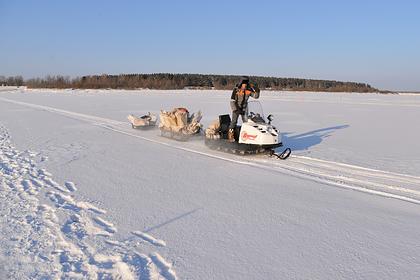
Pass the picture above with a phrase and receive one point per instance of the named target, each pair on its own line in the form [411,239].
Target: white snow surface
[85,196]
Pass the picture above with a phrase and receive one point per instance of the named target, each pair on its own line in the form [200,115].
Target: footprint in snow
[68,202]
[80,226]
[29,187]
[55,185]
[164,266]
[44,173]
[70,186]
[108,226]
[114,243]
[150,239]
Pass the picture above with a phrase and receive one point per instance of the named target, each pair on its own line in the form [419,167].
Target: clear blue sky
[370,41]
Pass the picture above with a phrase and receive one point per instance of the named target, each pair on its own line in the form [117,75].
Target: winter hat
[244,80]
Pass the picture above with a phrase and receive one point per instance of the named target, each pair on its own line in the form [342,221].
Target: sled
[179,125]
[144,122]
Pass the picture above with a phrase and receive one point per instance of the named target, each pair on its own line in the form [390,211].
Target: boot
[231,136]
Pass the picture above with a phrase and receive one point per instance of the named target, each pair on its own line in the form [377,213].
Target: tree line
[12,81]
[181,81]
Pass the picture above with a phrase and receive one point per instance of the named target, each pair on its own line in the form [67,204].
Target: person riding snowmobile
[239,103]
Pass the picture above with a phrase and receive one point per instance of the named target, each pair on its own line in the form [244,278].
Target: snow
[83,195]
[149,238]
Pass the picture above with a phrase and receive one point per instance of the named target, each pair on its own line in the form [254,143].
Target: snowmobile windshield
[255,112]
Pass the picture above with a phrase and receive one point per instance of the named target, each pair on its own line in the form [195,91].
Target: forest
[181,81]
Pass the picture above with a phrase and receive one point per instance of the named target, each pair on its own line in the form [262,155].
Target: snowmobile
[255,136]
[179,125]
[144,122]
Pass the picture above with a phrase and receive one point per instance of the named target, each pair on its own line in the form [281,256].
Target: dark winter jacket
[239,98]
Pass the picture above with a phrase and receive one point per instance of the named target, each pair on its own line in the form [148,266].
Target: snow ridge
[67,239]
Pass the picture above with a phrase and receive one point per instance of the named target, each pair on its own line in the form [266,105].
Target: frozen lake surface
[84,195]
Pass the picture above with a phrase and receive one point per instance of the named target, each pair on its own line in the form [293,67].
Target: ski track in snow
[377,182]
[67,240]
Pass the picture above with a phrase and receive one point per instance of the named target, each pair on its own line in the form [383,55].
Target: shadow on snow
[183,215]
[306,140]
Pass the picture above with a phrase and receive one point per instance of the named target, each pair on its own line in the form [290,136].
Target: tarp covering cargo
[179,120]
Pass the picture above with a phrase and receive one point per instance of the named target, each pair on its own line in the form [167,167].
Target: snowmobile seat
[224,121]
[257,118]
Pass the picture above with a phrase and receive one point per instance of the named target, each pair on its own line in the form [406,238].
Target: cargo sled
[144,122]
[178,124]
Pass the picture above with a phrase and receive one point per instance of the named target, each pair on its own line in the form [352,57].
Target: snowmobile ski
[283,155]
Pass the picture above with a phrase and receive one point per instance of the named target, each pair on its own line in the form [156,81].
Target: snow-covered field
[83,195]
